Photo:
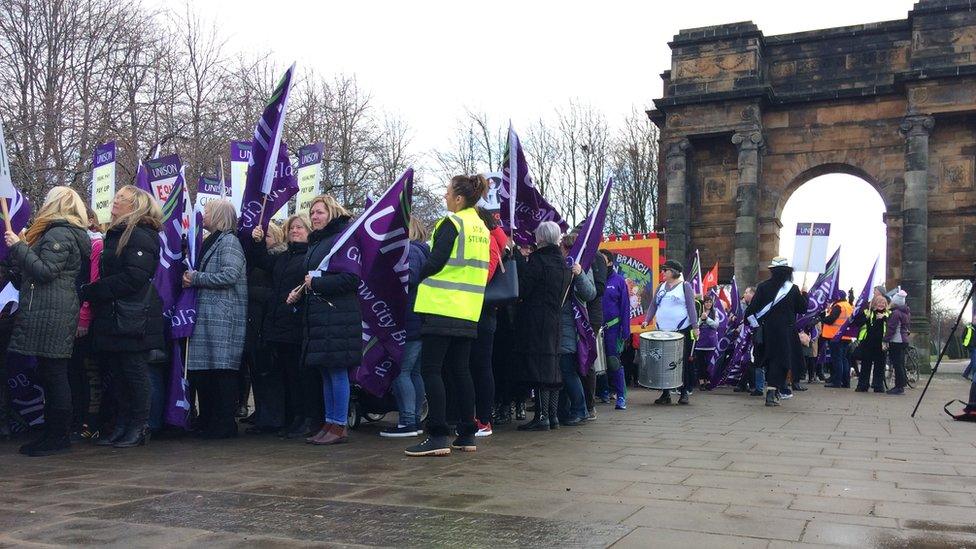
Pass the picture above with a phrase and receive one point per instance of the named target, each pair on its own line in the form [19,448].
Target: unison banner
[103,181]
[210,188]
[163,173]
[309,175]
[240,156]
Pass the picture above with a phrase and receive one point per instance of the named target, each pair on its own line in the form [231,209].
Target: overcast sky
[429,60]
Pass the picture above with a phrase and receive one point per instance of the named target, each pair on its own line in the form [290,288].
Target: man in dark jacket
[773,313]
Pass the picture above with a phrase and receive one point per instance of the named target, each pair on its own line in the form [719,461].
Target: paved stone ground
[828,468]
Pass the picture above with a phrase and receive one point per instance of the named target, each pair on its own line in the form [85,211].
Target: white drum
[661,364]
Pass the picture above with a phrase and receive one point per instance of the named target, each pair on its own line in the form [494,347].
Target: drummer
[673,306]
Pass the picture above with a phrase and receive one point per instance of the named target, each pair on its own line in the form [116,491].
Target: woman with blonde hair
[52,259]
[128,320]
[288,396]
[333,323]
[215,349]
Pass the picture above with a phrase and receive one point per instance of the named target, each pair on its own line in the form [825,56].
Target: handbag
[503,287]
[130,318]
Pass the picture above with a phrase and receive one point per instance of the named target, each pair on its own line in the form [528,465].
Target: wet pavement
[829,467]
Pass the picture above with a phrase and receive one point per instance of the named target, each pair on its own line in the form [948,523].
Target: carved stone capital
[751,139]
[917,125]
[679,147]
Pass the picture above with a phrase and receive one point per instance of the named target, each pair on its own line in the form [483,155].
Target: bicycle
[912,368]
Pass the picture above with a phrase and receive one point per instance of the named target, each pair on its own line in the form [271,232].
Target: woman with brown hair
[450,298]
[333,322]
[53,261]
[128,317]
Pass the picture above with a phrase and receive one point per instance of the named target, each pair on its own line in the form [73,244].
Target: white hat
[780,261]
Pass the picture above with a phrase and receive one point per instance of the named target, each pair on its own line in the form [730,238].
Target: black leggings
[897,353]
[482,375]
[80,385]
[448,356]
[873,362]
[57,394]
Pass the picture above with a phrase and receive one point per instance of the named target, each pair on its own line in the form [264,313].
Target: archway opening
[855,212]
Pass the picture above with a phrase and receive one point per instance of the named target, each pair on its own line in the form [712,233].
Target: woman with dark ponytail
[450,297]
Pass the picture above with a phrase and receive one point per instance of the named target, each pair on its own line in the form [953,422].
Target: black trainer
[432,446]
[400,431]
[465,443]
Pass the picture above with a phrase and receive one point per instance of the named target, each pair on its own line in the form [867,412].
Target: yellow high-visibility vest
[458,290]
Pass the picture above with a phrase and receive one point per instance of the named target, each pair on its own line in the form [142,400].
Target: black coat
[594,307]
[126,277]
[781,342]
[258,295]
[282,323]
[333,322]
[543,281]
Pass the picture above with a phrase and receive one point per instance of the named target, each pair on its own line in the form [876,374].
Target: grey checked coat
[221,283]
[46,322]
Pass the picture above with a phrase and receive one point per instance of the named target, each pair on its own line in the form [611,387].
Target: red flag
[724,298]
[710,280]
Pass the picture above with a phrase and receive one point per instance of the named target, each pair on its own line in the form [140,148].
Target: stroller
[365,406]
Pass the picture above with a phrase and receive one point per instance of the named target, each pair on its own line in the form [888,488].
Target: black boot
[553,408]
[432,446]
[55,440]
[503,414]
[134,436]
[109,439]
[520,410]
[771,398]
[301,428]
[540,422]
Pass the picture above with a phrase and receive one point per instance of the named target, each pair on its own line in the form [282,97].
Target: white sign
[6,184]
[810,247]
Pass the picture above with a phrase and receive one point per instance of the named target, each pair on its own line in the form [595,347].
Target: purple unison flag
[741,348]
[735,301]
[26,394]
[374,247]
[822,292]
[591,232]
[863,301]
[524,205]
[142,178]
[262,169]
[20,212]
[694,276]
[253,206]
[169,273]
[177,405]
[183,315]
[163,174]
[212,185]
[583,251]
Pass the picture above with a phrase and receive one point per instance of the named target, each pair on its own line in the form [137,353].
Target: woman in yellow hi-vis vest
[449,299]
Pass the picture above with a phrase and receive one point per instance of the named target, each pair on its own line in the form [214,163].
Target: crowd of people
[266,325]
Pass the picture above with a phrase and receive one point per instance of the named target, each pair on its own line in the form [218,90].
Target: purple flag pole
[169,273]
[257,207]
[177,405]
[142,178]
[722,343]
[822,292]
[374,247]
[863,301]
[736,301]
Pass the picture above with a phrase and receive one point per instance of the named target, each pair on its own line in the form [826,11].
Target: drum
[661,364]
[600,366]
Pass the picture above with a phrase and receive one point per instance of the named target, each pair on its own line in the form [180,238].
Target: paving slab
[828,468]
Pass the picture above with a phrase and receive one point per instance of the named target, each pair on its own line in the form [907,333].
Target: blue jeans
[760,379]
[158,387]
[408,387]
[571,401]
[841,366]
[335,391]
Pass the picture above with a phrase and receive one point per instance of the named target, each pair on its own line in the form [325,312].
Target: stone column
[746,256]
[915,226]
[677,200]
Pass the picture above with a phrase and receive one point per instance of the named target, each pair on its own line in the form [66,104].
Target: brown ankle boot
[321,433]
[336,435]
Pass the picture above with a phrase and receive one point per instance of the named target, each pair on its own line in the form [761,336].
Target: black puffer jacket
[48,317]
[543,281]
[333,322]
[282,323]
[258,295]
[126,277]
